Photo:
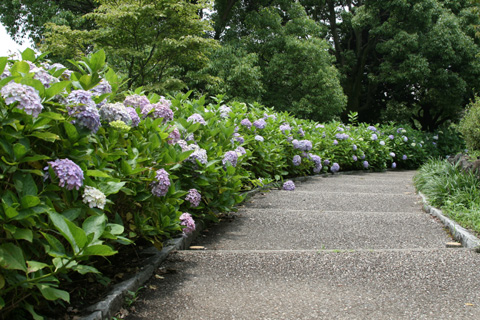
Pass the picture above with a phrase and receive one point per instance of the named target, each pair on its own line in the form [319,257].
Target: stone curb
[459,233]
[115,299]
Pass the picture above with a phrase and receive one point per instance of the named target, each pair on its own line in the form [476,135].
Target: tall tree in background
[159,44]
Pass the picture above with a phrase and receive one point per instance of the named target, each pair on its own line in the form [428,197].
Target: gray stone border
[458,232]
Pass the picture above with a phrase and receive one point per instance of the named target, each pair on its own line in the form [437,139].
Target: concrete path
[339,247]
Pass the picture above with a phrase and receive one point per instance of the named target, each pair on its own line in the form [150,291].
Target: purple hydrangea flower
[174,136]
[392,154]
[301,132]
[28,98]
[318,163]
[260,124]
[399,130]
[245,122]
[196,118]
[238,138]
[365,164]
[259,138]
[44,77]
[240,151]
[303,145]
[230,156]
[290,139]
[354,147]
[284,127]
[391,137]
[187,221]
[362,156]
[340,129]
[326,162]
[394,165]
[319,126]
[136,100]
[160,187]
[354,157]
[335,142]
[114,111]
[102,87]
[193,197]
[374,137]
[342,136]
[297,160]
[133,115]
[382,143]
[198,153]
[68,172]
[86,115]
[80,97]
[225,111]
[267,116]
[289,186]
[372,128]
[335,167]
[160,110]
[404,157]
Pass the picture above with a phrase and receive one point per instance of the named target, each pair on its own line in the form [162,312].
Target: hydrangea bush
[86,168]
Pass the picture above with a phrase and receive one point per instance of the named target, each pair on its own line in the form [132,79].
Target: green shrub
[469,126]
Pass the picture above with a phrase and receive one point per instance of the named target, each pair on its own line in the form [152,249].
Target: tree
[158,44]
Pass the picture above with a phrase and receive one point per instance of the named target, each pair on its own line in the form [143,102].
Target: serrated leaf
[11,257]
[23,234]
[95,225]
[99,250]
[53,294]
[97,173]
[34,266]
[46,136]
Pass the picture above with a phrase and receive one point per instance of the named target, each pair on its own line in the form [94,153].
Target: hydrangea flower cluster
[374,137]
[335,142]
[342,136]
[114,111]
[301,133]
[335,167]
[102,88]
[160,110]
[86,115]
[225,111]
[318,163]
[57,66]
[326,162]
[404,157]
[392,154]
[245,122]
[80,97]
[405,139]
[240,151]
[260,124]
[174,136]
[365,164]
[372,128]
[284,127]
[237,137]
[160,187]
[194,197]
[297,160]
[259,138]
[271,116]
[198,153]
[196,118]
[319,126]
[289,186]
[68,172]
[136,100]
[133,116]
[391,137]
[120,125]
[354,157]
[303,145]
[44,77]
[187,221]
[27,97]
[94,198]
[394,165]
[230,156]
[354,147]
[382,143]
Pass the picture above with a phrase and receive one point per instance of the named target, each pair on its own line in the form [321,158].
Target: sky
[7,44]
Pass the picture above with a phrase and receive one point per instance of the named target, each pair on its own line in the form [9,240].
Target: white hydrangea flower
[94,197]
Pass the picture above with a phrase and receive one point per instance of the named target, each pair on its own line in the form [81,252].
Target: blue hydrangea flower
[297,160]
[400,130]
[260,124]
[372,128]
[133,115]
[301,133]
[102,87]
[245,122]
[80,97]
[160,110]
[303,145]
[238,138]
[335,167]
[354,147]
[27,97]
[365,164]
[326,162]
[44,77]
[161,186]
[259,138]
[240,151]
[70,175]
[174,136]
[225,111]
[196,118]
[342,136]
[394,165]
[335,142]
[284,127]
[193,197]
[187,221]
[391,137]
[374,137]
[86,115]
[354,157]
[319,126]
[231,157]
[289,186]
[114,111]
[404,157]
[271,116]
[198,153]
[318,163]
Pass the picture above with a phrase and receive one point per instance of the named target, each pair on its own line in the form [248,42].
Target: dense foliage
[82,174]
[469,126]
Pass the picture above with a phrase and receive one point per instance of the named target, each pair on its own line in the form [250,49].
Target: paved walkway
[338,247]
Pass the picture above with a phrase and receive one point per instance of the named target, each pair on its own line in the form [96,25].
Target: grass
[455,192]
